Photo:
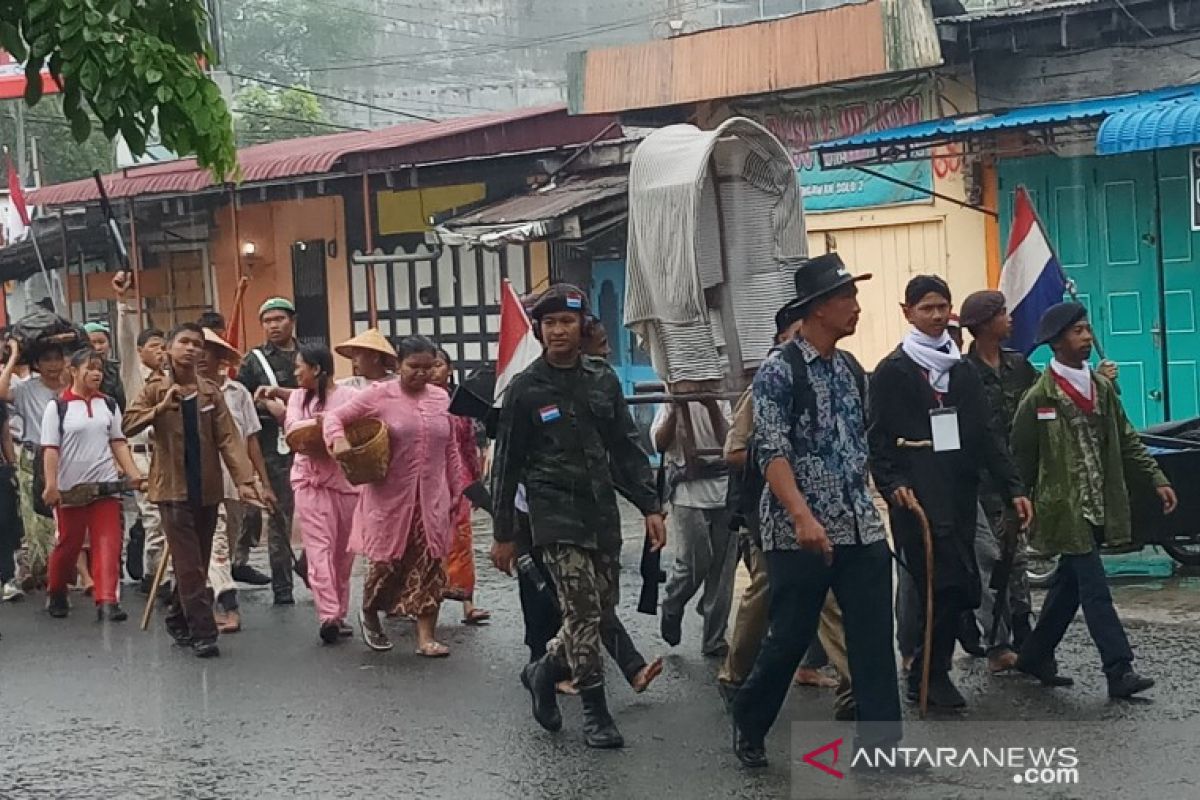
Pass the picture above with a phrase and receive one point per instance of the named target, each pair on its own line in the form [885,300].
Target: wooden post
[733,343]
[237,258]
[368,249]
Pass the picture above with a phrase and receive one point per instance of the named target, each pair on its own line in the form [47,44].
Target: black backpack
[746,485]
[39,463]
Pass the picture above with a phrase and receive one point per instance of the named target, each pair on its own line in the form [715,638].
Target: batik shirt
[825,445]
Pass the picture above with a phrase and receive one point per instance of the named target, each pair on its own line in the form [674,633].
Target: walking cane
[159,575]
[927,536]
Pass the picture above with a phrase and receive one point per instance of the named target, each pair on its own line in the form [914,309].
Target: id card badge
[943,424]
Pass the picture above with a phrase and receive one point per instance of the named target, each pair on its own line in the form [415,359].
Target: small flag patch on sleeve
[1047,414]
[549,413]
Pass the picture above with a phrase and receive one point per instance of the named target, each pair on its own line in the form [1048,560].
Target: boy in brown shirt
[192,430]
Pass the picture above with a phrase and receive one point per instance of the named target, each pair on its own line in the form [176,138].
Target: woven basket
[308,439]
[367,459]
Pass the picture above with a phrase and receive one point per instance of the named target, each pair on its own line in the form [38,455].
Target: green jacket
[1049,456]
[567,435]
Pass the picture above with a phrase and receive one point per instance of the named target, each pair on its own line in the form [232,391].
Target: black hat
[981,307]
[1057,319]
[786,316]
[821,276]
[558,298]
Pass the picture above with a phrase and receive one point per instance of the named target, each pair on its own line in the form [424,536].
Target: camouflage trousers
[588,583]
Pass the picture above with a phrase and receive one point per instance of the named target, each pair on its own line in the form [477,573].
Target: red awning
[514,131]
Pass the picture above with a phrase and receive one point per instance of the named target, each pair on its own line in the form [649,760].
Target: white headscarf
[936,356]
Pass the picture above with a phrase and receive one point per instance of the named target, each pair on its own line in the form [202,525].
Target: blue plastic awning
[902,141]
[1167,123]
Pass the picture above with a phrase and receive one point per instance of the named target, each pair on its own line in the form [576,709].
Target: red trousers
[101,521]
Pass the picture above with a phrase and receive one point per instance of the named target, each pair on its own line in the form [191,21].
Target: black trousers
[1080,581]
[861,579]
[11,529]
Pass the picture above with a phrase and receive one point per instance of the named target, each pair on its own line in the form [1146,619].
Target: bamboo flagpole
[16,196]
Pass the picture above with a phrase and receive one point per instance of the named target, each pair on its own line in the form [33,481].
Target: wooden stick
[159,575]
[927,644]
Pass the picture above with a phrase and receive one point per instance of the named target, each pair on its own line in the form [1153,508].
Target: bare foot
[566,687]
[906,663]
[646,675]
[813,677]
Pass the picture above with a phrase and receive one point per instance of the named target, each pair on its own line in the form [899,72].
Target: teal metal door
[630,361]
[1100,215]
[1181,283]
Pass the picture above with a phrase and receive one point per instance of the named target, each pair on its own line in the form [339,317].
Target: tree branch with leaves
[134,64]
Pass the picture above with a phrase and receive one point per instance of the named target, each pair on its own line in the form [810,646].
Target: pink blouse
[425,470]
[317,471]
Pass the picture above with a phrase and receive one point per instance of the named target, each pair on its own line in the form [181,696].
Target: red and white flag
[518,346]
[16,192]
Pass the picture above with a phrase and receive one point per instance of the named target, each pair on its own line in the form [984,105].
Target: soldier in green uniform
[268,372]
[564,421]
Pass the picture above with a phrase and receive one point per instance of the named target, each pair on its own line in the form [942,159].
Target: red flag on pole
[518,346]
[16,192]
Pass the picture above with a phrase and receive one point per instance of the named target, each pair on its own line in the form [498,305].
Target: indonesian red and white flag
[518,346]
[16,192]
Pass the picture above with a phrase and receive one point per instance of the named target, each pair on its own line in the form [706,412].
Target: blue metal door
[629,360]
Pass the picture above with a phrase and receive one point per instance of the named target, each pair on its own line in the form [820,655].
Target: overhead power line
[481,50]
[331,97]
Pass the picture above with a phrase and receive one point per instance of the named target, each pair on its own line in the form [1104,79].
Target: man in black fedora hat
[1080,455]
[929,443]
[820,528]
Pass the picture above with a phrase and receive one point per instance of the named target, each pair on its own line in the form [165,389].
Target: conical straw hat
[370,339]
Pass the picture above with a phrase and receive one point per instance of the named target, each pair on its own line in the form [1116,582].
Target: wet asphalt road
[106,711]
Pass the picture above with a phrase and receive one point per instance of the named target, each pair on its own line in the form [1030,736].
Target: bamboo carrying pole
[159,575]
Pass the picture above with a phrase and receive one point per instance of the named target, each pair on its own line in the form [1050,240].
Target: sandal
[646,675]
[477,617]
[433,650]
[566,687]
[377,640]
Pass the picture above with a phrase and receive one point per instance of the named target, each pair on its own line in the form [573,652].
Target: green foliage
[62,158]
[129,63]
[263,116]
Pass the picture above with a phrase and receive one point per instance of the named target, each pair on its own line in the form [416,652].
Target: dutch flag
[1032,279]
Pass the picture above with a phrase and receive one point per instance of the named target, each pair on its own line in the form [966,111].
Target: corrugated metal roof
[1156,126]
[1023,10]
[571,195]
[967,125]
[322,154]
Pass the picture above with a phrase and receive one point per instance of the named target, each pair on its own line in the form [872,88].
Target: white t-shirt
[85,450]
[245,417]
[30,398]
[708,493]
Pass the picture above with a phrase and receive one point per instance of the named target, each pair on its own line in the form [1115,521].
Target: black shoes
[248,574]
[539,678]
[1045,671]
[283,597]
[671,629]
[599,730]
[110,612]
[344,630]
[752,753]
[206,649]
[942,691]
[1127,685]
[57,605]
[969,636]
[330,632]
